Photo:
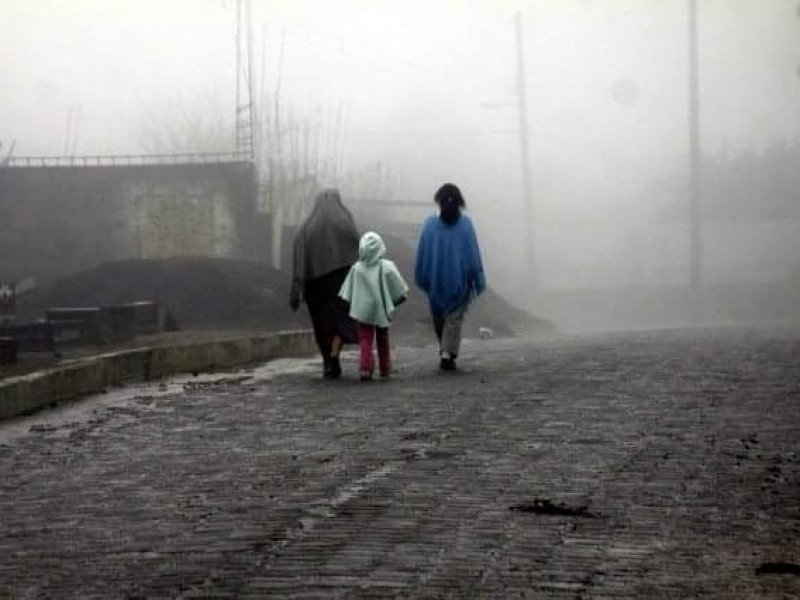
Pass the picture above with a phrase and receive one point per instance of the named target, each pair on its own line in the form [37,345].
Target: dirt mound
[219,293]
[491,311]
[199,293]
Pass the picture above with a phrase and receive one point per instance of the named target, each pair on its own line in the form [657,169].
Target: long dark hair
[450,202]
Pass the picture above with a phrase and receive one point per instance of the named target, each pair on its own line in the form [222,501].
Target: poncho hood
[374,285]
[371,248]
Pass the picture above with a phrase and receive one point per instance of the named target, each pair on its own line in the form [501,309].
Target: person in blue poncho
[373,288]
[449,270]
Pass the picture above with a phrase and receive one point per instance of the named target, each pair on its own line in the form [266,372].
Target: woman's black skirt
[329,313]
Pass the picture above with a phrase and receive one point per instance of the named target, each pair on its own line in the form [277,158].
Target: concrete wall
[81,377]
[56,220]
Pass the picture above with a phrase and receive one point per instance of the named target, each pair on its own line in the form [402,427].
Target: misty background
[401,97]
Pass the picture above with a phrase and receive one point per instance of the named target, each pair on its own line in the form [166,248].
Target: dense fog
[387,100]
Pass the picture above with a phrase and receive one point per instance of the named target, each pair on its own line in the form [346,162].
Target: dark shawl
[326,241]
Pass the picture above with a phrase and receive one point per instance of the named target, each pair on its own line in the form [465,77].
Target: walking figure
[449,270]
[374,288]
[325,247]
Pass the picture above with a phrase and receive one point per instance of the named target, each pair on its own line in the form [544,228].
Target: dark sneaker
[366,375]
[447,364]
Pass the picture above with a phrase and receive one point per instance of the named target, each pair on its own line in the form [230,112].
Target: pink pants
[366,333]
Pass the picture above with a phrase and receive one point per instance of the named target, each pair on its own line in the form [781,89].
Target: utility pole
[254,141]
[338,137]
[342,141]
[238,69]
[695,176]
[277,109]
[525,162]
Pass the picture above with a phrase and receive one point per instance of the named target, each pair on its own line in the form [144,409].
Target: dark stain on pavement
[541,506]
[778,568]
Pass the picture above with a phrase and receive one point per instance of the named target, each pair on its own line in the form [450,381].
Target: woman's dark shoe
[334,368]
[366,375]
[326,367]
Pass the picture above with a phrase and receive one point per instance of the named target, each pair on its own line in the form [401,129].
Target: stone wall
[62,219]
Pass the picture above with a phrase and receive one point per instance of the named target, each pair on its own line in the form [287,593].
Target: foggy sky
[117,58]
[429,89]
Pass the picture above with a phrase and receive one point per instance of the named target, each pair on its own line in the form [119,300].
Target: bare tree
[5,157]
[202,124]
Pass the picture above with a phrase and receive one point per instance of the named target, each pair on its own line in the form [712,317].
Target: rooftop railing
[125,159]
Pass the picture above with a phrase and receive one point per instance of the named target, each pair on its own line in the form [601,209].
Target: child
[373,288]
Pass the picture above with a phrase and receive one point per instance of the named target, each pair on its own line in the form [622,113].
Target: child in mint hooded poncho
[373,288]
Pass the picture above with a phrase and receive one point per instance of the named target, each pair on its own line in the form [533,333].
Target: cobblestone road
[647,465]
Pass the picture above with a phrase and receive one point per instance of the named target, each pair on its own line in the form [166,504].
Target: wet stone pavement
[645,465]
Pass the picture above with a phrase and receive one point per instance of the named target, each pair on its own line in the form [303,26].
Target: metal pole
[277,105]
[525,162]
[237,122]
[251,109]
[695,176]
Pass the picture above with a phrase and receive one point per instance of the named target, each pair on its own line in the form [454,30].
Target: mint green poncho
[374,286]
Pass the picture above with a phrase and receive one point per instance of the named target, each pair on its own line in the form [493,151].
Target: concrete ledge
[27,393]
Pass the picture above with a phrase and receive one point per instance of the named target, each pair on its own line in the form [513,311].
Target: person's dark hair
[450,202]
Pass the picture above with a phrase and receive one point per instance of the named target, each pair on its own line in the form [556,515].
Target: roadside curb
[26,393]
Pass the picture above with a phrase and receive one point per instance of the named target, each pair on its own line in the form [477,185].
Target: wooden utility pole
[525,163]
[696,283]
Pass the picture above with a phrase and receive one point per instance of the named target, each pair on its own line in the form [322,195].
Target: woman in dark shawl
[325,247]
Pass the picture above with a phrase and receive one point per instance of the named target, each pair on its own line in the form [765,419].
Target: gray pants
[448,330]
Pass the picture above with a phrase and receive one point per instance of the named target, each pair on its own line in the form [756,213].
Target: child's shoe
[366,375]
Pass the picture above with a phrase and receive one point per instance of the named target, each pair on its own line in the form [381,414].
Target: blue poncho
[448,265]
